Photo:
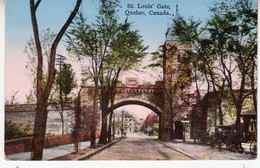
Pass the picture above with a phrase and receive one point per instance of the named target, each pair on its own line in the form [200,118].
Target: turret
[168,35]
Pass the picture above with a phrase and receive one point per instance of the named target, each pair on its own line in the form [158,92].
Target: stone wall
[24,115]
[26,119]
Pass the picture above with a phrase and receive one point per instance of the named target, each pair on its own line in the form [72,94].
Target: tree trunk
[255,99]
[39,130]
[197,88]
[114,126]
[76,133]
[111,114]
[253,87]
[61,113]
[110,127]
[44,92]
[122,124]
[220,113]
[103,134]
[62,122]
[94,119]
[104,110]
[220,102]
[239,108]
[241,98]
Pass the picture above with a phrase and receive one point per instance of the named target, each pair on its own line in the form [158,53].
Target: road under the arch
[139,147]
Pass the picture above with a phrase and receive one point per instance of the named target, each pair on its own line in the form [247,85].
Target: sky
[19,30]
[52,14]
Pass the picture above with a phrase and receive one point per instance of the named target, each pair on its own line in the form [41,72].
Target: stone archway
[151,97]
[143,103]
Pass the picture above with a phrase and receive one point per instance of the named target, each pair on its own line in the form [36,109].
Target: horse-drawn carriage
[230,136]
[233,137]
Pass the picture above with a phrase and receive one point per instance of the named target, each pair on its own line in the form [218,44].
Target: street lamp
[184,121]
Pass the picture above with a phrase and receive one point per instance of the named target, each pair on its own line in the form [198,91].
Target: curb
[98,150]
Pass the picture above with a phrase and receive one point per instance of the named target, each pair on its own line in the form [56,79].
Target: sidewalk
[50,153]
[86,153]
[245,146]
[202,151]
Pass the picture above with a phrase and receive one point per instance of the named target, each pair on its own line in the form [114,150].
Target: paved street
[143,147]
[139,147]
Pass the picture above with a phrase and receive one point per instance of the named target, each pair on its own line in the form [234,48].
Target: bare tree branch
[37,4]
[52,70]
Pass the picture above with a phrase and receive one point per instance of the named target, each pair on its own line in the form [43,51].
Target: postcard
[154,83]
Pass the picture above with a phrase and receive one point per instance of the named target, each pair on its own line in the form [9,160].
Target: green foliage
[157,58]
[30,98]
[120,84]
[66,80]
[108,46]
[187,31]
[13,131]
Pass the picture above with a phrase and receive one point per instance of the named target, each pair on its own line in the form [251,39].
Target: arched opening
[148,124]
[151,106]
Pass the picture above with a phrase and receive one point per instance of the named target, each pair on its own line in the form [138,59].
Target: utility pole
[60,62]
[76,131]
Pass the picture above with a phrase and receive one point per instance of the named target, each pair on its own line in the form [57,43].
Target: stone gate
[151,97]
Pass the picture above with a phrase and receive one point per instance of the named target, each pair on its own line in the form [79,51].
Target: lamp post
[184,121]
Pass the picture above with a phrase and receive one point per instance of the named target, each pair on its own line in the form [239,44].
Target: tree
[126,51]
[202,59]
[110,48]
[225,51]
[43,91]
[65,80]
[232,29]
[90,42]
